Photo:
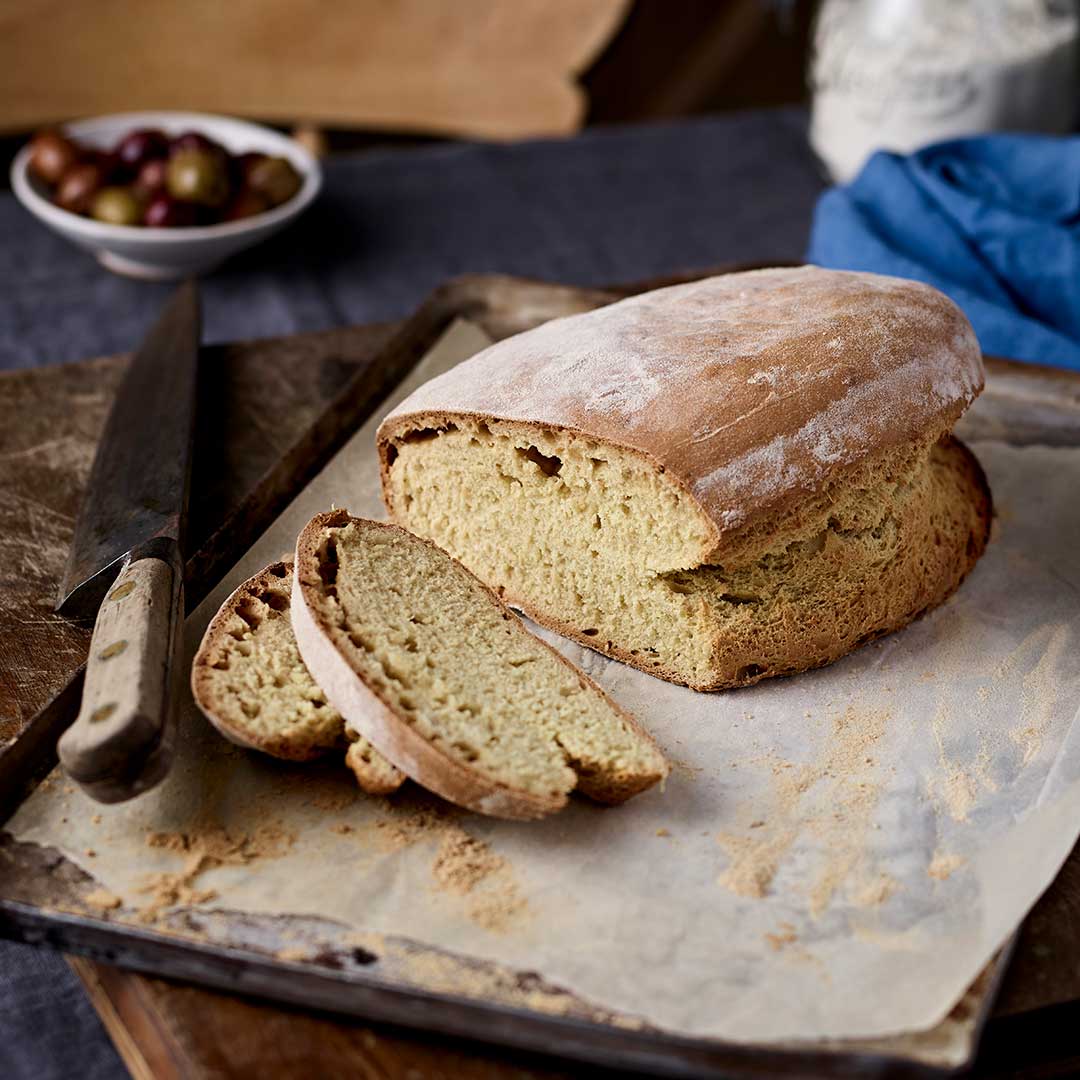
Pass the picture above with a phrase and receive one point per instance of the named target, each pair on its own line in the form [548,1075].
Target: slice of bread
[717,482]
[250,683]
[443,679]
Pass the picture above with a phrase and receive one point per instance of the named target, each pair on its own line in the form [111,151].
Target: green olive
[246,203]
[274,179]
[197,176]
[116,206]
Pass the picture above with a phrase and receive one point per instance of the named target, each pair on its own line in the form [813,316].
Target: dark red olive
[209,215]
[246,203]
[140,146]
[78,186]
[165,213]
[51,155]
[113,170]
[151,177]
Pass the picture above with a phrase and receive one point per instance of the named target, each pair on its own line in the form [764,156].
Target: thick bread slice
[431,667]
[250,683]
[717,482]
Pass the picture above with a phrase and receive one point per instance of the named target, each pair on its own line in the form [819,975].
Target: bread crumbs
[466,866]
[785,936]
[943,865]
[833,799]
[102,899]
[203,849]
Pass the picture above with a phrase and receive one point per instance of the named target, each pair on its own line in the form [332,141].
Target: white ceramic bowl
[168,254]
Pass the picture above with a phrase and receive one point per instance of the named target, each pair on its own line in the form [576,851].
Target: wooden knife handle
[121,742]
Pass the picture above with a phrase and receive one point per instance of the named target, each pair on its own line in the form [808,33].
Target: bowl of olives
[164,195]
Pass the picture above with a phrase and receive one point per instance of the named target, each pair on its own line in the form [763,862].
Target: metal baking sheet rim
[312,983]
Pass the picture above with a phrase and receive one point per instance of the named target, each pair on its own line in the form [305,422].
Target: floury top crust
[751,391]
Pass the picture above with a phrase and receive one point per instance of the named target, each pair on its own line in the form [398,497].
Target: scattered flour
[876,891]
[1040,684]
[468,867]
[463,865]
[957,788]
[943,864]
[832,799]
[203,848]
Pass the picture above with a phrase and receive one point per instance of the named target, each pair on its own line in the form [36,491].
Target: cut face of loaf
[428,665]
[250,683]
[869,562]
[743,477]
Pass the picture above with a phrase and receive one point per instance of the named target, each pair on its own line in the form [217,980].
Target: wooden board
[263,430]
[257,441]
[166,1031]
[161,1019]
[412,65]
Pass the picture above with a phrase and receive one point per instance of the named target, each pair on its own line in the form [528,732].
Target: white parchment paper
[835,855]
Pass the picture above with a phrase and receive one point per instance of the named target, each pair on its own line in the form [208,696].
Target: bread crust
[370,715]
[751,391]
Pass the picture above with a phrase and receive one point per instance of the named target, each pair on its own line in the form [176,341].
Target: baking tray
[42,893]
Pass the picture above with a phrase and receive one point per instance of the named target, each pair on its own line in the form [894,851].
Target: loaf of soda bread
[429,666]
[717,482]
[250,683]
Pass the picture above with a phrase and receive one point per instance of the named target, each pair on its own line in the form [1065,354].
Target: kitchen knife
[126,564]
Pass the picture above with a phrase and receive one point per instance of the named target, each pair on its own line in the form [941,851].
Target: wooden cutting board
[272,413]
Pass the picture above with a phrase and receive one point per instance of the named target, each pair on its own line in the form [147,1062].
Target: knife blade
[126,563]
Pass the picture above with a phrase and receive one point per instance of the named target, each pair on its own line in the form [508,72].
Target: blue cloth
[993,221]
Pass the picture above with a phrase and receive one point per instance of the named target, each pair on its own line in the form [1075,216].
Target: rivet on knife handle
[121,741]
